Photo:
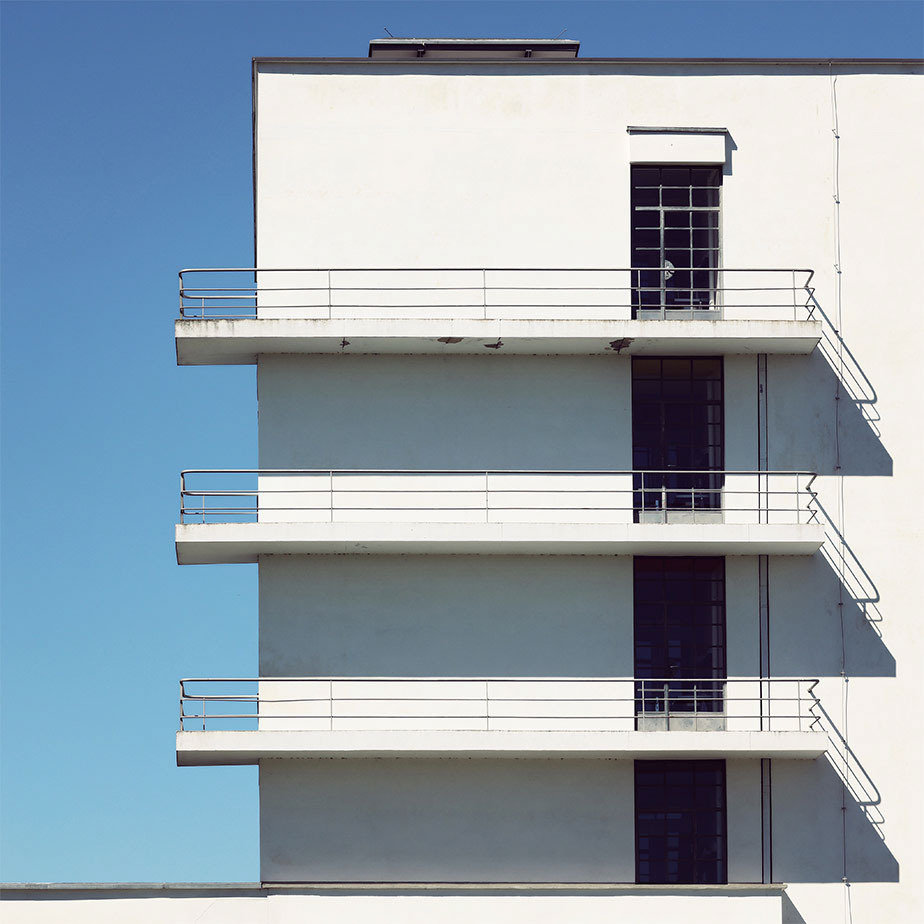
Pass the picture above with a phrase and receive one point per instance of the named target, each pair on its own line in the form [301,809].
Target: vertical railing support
[487,707]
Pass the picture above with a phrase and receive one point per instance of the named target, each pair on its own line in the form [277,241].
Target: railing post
[330,696]
[330,301]
[799,702]
[667,718]
[330,483]
[484,292]
[487,707]
[487,509]
[203,713]
[795,310]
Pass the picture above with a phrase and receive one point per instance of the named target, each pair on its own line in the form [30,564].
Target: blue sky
[126,156]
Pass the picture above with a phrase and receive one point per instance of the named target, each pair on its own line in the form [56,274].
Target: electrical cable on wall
[838,474]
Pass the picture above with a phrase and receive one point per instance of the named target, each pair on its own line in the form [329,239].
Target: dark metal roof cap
[472,49]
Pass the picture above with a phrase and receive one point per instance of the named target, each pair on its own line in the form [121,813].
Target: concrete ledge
[240,341]
[204,748]
[387,902]
[211,543]
[17,890]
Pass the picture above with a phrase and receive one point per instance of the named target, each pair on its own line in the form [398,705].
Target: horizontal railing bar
[481,269]
[198,293]
[700,699]
[498,679]
[475,471]
[694,289]
[627,717]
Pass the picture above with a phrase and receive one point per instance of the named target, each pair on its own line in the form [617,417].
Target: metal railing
[499,704]
[465,496]
[496,293]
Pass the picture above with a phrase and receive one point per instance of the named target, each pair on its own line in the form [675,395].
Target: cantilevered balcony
[234,315]
[237,721]
[236,516]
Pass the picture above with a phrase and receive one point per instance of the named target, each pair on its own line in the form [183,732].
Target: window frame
[683,698]
[656,490]
[642,288]
[721,811]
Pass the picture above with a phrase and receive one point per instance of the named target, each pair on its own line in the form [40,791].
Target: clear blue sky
[126,155]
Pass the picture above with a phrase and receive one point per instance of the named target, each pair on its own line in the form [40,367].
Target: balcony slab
[239,341]
[203,748]
[228,543]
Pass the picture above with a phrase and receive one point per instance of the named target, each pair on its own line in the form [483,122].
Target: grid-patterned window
[675,237]
[680,822]
[679,608]
[677,428]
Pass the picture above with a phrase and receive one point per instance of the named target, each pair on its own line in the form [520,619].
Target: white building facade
[585,510]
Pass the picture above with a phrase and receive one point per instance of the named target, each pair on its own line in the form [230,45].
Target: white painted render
[199,544]
[240,341]
[235,748]
[402,165]
[485,820]
[518,903]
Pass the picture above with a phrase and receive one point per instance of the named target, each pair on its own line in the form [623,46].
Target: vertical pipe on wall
[763,593]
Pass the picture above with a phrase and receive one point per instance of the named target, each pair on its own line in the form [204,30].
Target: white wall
[447,820]
[288,906]
[557,616]
[471,820]
[426,412]
[446,616]
[496,165]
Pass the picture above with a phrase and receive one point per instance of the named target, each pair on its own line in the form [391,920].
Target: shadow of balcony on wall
[805,622]
[790,912]
[858,584]
[804,408]
[854,381]
[827,821]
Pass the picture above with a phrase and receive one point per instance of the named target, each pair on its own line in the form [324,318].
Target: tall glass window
[680,822]
[675,238]
[677,434]
[680,669]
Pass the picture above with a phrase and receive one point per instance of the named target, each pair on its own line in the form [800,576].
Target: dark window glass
[677,434]
[675,237]
[679,638]
[680,822]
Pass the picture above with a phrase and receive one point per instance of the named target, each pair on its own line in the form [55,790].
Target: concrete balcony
[237,516]
[238,721]
[231,316]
